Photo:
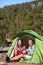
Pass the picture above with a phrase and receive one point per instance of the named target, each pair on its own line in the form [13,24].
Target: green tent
[38,52]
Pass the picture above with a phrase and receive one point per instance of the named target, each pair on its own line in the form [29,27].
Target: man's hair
[32,40]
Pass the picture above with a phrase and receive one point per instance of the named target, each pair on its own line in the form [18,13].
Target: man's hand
[30,53]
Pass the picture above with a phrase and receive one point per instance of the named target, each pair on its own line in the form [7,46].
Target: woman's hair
[21,41]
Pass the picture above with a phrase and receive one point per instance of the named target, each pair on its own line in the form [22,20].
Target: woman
[19,48]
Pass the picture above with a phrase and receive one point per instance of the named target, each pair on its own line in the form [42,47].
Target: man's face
[30,42]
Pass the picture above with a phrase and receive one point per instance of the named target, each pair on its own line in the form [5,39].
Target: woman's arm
[15,51]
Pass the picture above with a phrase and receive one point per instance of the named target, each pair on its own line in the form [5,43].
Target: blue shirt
[31,49]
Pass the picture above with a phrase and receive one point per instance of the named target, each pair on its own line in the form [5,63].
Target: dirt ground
[18,63]
[3,62]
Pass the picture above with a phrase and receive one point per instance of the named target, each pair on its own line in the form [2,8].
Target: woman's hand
[24,52]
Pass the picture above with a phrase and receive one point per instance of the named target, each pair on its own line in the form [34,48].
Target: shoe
[7,59]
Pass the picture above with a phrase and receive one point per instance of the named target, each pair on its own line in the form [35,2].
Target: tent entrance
[25,39]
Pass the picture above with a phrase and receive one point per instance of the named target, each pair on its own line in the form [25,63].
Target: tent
[38,52]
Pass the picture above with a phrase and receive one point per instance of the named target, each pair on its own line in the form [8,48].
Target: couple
[21,52]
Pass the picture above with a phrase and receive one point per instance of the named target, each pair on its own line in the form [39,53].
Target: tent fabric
[38,52]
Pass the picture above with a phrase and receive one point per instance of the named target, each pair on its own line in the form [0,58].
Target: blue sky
[10,2]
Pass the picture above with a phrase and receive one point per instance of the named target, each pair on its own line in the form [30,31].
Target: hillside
[16,18]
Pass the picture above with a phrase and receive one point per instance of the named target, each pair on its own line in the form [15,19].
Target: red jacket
[20,51]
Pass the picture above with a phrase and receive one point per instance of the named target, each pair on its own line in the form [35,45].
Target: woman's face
[30,42]
[19,43]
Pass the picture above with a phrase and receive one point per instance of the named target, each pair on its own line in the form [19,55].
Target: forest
[19,17]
